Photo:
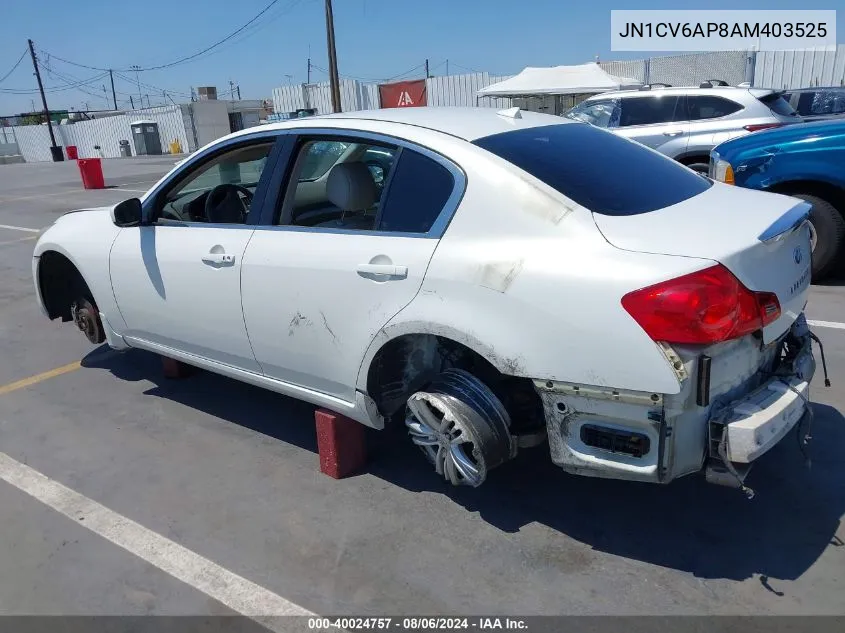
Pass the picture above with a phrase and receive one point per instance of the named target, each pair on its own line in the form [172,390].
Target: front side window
[337,183]
[603,113]
[321,156]
[709,107]
[220,190]
[650,110]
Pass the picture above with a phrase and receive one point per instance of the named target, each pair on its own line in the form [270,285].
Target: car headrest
[350,187]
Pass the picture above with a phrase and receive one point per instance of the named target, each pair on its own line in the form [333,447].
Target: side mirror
[128,213]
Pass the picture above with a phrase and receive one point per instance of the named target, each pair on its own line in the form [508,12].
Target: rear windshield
[603,172]
[777,104]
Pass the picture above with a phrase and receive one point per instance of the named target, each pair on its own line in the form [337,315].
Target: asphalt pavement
[156,486]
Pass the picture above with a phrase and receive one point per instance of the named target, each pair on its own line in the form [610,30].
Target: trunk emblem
[797,255]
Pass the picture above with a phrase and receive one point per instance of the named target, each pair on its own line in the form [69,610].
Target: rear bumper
[761,421]
[604,432]
[753,425]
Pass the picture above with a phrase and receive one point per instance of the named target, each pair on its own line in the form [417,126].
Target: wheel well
[408,363]
[831,193]
[61,284]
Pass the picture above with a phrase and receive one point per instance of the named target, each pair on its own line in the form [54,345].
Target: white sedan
[493,280]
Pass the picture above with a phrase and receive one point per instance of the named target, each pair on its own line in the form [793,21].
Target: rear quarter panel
[524,277]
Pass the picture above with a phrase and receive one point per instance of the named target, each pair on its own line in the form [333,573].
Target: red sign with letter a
[403,94]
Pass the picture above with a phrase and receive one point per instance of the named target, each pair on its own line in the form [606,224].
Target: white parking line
[237,593]
[20,239]
[132,190]
[831,324]
[19,228]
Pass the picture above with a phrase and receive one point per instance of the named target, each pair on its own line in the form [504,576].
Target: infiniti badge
[797,255]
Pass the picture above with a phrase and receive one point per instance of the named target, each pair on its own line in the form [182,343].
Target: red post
[341,443]
[175,369]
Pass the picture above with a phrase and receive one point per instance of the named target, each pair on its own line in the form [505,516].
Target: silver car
[686,123]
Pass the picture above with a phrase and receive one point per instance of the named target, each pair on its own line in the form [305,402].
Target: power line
[150,86]
[27,91]
[188,58]
[17,63]
[472,70]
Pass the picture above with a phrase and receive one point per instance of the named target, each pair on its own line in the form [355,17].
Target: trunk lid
[762,238]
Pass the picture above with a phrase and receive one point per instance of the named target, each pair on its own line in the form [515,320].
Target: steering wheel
[221,194]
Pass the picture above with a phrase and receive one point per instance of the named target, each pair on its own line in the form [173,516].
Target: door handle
[383,269]
[673,133]
[220,259]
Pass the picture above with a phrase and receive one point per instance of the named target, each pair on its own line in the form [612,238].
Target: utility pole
[106,95]
[231,90]
[309,71]
[334,81]
[239,92]
[113,95]
[55,150]
[137,70]
[148,101]
[427,74]
[131,102]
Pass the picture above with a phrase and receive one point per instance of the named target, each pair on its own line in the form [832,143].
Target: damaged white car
[493,280]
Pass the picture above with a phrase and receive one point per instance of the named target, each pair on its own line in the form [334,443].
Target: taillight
[762,126]
[704,307]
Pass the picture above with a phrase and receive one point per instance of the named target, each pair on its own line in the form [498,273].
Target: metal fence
[450,90]
[801,68]
[106,132]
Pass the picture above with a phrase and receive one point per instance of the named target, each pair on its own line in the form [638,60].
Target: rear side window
[821,102]
[599,170]
[417,193]
[709,107]
[777,104]
[650,110]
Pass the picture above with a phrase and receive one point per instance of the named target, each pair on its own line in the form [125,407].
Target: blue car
[806,161]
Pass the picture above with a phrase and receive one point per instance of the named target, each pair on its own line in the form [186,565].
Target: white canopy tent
[559,80]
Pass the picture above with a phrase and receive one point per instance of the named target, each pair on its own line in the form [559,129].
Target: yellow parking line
[33,380]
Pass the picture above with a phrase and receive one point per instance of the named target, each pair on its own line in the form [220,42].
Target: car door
[320,280]
[656,120]
[711,122]
[176,279]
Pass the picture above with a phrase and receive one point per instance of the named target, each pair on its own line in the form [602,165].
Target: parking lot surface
[182,481]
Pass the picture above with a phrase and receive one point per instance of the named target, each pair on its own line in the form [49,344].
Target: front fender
[85,239]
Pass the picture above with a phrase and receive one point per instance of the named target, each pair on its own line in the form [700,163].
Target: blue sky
[376,39]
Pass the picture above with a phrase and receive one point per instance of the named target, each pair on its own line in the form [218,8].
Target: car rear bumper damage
[731,410]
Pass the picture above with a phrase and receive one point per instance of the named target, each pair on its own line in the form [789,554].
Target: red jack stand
[341,443]
[176,369]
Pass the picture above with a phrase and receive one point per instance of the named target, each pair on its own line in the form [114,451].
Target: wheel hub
[435,428]
[86,323]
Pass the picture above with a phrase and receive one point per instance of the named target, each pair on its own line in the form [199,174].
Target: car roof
[466,123]
[685,90]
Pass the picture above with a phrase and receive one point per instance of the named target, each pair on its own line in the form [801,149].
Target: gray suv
[686,123]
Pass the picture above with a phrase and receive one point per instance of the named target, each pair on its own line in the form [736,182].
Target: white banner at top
[706,30]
